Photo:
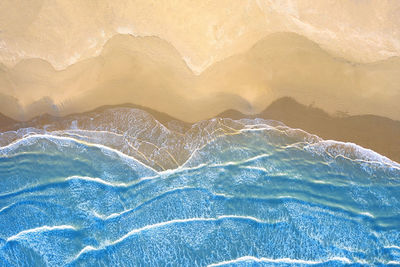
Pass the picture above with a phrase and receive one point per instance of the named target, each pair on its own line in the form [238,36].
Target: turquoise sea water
[260,194]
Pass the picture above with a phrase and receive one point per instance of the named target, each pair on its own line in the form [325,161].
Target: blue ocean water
[243,193]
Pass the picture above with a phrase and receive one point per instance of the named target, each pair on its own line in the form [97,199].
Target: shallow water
[261,194]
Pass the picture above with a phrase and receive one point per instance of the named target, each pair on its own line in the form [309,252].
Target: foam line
[34,137]
[393,247]
[96,180]
[281,260]
[377,158]
[368,153]
[41,229]
[73,131]
[327,206]
[157,225]
[143,204]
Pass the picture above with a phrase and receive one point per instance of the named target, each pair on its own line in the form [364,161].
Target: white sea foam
[206,132]
[161,224]
[218,135]
[393,247]
[281,260]
[41,229]
[96,180]
[5,150]
[351,152]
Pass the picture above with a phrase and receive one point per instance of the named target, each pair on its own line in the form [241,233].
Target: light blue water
[259,197]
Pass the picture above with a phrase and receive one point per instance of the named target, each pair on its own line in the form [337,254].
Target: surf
[222,192]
